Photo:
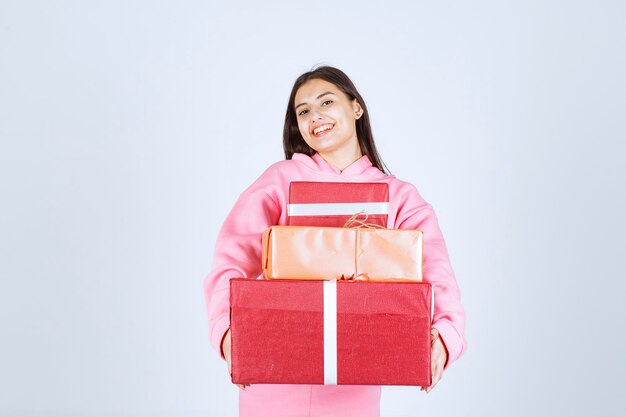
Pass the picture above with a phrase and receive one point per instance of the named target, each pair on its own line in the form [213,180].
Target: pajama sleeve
[449,317]
[238,251]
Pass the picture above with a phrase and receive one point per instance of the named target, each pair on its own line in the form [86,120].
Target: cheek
[341,115]
[302,128]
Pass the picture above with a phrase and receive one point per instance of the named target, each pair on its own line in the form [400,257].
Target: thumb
[434,335]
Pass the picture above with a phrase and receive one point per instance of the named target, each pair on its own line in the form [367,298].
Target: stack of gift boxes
[337,305]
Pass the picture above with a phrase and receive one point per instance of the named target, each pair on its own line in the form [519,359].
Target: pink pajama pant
[309,401]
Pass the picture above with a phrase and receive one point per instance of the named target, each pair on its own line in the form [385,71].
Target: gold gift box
[327,253]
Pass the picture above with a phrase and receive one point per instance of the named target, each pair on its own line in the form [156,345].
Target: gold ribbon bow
[354,222]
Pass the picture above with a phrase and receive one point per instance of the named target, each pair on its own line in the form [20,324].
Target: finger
[432,386]
[437,375]
[438,360]
[228,364]
[437,369]
[434,381]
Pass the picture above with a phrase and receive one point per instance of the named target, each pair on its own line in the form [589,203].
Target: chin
[323,149]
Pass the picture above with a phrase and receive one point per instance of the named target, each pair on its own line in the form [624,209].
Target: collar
[316,161]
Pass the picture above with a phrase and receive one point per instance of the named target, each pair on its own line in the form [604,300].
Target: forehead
[309,91]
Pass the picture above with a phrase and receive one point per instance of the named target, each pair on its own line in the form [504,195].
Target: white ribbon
[432,303]
[330,332]
[337,209]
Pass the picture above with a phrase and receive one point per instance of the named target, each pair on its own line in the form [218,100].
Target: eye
[327,102]
[303,112]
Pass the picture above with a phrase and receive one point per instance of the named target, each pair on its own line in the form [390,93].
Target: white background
[129,128]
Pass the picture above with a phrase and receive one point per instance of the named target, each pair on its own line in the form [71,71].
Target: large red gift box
[333,203]
[330,332]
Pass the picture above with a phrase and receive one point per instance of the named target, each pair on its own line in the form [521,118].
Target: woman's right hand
[227,356]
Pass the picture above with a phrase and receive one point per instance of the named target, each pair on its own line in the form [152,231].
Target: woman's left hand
[438,358]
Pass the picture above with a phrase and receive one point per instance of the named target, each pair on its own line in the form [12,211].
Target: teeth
[322,129]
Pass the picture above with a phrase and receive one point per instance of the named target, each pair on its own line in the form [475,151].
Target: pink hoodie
[264,203]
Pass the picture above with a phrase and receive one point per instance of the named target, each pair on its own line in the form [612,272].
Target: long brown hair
[292,139]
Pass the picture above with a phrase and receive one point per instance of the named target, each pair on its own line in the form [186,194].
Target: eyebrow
[316,98]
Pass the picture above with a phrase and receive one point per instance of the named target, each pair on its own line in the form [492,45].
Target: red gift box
[333,203]
[292,332]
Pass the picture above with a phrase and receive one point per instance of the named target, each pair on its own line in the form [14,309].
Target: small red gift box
[330,332]
[333,203]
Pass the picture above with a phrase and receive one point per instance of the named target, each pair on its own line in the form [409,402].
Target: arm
[449,317]
[238,252]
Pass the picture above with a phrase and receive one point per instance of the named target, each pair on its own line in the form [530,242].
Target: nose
[315,116]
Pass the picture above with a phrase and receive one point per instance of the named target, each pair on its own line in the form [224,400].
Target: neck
[342,159]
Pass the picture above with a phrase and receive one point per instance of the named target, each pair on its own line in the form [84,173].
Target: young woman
[326,138]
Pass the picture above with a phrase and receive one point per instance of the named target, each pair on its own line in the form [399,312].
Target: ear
[358,110]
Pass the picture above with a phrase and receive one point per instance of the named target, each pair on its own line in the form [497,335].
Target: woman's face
[327,118]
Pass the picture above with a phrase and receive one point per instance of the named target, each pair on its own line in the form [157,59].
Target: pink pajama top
[238,255]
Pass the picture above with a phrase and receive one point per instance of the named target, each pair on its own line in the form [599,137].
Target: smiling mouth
[323,129]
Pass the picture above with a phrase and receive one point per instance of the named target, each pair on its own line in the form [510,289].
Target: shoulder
[282,168]
[404,190]
[274,173]
[274,180]
[407,202]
